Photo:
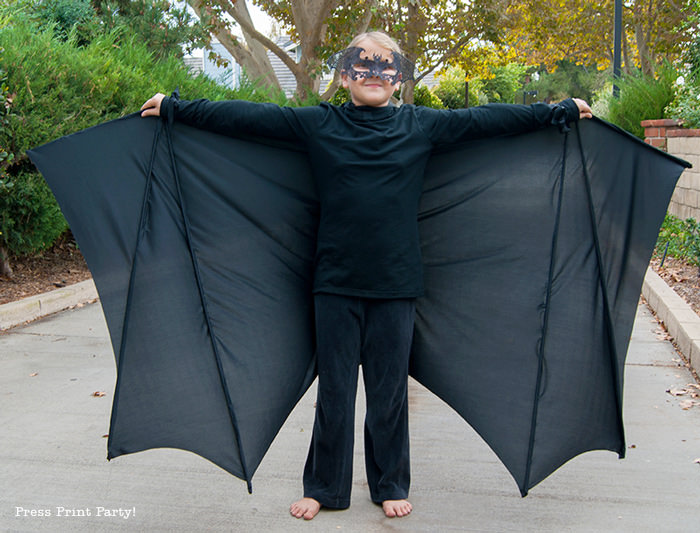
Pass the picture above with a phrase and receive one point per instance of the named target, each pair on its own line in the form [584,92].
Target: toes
[305,508]
[396,508]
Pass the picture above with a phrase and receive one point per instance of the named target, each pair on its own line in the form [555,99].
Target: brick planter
[671,136]
[657,131]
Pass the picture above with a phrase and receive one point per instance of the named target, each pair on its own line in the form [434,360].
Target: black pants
[376,333]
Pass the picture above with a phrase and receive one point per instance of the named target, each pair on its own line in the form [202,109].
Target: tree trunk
[308,18]
[253,59]
[643,50]
[625,55]
[407,91]
[332,87]
[310,21]
[416,24]
[5,269]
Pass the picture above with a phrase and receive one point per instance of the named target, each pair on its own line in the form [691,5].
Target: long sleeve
[239,118]
[459,125]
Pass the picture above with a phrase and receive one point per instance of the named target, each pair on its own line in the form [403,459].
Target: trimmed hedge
[53,87]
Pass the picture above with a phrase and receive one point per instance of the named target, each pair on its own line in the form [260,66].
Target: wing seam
[612,344]
[127,310]
[195,264]
[541,363]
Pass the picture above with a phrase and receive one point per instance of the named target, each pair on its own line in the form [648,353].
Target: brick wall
[670,136]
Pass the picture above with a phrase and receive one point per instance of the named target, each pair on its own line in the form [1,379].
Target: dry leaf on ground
[687,404]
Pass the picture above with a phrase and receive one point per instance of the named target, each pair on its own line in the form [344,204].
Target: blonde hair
[380,38]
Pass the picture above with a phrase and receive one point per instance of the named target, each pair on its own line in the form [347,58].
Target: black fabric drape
[201,247]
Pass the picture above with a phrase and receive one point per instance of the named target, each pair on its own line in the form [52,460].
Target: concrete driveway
[54,475]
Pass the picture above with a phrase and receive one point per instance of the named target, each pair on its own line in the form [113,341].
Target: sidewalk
[52,457]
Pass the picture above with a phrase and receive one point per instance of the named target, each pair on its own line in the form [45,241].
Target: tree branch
[444,57]
[319,24]
[247,26]
[257,68]
[332,87]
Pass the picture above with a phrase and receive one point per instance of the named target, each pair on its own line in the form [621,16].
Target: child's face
[373,91]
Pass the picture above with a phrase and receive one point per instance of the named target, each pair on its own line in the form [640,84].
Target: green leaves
[30,219]
[680,239]
[641,98]
[50,87]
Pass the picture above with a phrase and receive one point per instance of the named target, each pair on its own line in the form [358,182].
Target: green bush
[54,87]
[164,28]
[680,239]
[256,92]
[6,155]
[62,88]
[66,17]
[568,80]
[641,98]
[341,96]
[422,95]
[686,104]
[30,219]
[450,89]
[506,85]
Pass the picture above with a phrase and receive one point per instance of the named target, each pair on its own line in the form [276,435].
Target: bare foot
[394,508]
[306,508]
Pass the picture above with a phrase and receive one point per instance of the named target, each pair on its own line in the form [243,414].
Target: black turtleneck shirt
[368,165]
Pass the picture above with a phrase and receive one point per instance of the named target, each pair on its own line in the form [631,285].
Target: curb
[681,322]
[15,313]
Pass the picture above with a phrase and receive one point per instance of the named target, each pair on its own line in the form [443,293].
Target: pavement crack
[658,365]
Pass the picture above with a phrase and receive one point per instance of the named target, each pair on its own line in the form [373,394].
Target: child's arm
[454,126]
[233,117]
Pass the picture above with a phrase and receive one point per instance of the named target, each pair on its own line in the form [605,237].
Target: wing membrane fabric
[533,269]
[201,247]
[216,347]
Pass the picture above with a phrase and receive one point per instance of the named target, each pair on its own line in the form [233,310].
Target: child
[368,159]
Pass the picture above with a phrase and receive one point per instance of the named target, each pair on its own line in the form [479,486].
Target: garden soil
[58,267]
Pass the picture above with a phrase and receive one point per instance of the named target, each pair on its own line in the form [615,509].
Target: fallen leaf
[677,392]
[99,393]
[687,404]
[697,461]
[632,446]
[105,436]
[33,374]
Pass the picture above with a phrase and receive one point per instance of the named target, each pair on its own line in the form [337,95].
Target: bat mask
[351,62]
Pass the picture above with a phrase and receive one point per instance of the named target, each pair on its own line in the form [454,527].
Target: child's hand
[152,106]
[583,108]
